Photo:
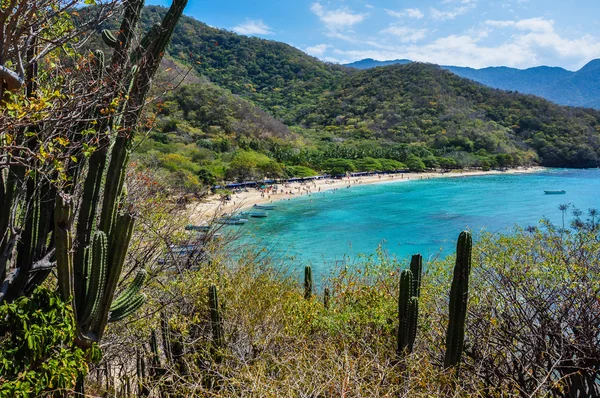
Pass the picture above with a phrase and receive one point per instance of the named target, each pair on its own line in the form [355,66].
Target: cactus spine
[308,282]
[406,292]
[416,266]
[215,319]
[459,293]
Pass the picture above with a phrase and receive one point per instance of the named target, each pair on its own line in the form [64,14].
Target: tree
[368,164]
[338,166]
[414,163]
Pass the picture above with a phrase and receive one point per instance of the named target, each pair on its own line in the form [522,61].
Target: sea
[419,216]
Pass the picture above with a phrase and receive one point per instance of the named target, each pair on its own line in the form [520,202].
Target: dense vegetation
[250,327]
[336,119]
[86,238]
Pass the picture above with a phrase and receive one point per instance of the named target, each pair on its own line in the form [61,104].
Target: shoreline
[213,206]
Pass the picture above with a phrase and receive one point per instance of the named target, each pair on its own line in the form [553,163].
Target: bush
[37,346]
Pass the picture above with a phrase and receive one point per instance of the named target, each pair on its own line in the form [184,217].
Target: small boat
[232,221]
[265,207]
[201,228]
[555,192]
[255,214]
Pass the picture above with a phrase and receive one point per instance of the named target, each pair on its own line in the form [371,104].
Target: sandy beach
[214,206]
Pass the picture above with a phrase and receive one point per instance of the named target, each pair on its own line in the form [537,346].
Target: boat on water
[265,207]
[555,192]
[255,214]
[231,221]
[200,228]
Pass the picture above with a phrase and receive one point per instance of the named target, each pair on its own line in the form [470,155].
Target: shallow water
[417,216]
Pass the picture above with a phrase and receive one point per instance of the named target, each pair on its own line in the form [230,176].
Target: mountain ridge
[556,84]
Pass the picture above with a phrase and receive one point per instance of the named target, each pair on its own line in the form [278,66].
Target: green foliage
[339,166]
[38,353]
[368,164]
[300,171]
[414,163]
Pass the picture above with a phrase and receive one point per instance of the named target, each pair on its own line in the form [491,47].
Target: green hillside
[420,103]
[275,75]
[318,117]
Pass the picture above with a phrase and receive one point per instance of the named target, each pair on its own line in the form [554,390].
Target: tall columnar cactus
[404,296]
[459,296]
[416,266]
[166,336]
[86,230]
[308,282]
[154,352]
[216,321]
[326,298]
[412,317]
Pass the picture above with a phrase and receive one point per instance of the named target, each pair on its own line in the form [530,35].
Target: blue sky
[476,33]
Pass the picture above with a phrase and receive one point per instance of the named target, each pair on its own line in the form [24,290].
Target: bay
[417,216]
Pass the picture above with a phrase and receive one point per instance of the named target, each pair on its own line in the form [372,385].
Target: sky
[475,33]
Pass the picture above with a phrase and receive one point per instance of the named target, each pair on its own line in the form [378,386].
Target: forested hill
[422,103]
[335,119]
[275,75]
[564,87]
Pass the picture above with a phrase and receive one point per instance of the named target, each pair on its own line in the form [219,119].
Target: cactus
[154,350]
[127,309]
[215,318]
[308,282]
[412,317]
[326,298]
[131,292]
[166,336]
[459,293]
[416,266]
[86,230]
[406,292]
[97,271]
[109,39]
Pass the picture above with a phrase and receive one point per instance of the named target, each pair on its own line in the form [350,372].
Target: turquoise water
[415,217]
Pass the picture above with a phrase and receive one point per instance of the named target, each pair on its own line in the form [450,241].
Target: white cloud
[414,13]
[533,24]
[451,14]
[318,50]
[532,42]
[253,27]
[339,19]
[406,35]
[459,1]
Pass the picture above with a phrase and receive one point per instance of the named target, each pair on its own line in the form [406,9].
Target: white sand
[214,206]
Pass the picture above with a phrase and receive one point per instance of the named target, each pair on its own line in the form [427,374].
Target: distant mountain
[581,88]
[369,63]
